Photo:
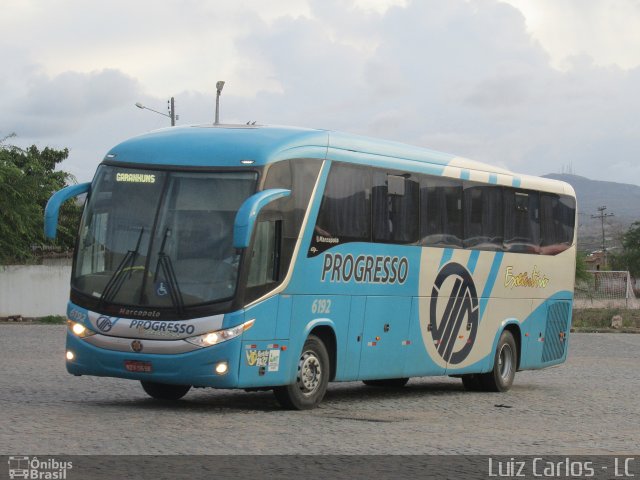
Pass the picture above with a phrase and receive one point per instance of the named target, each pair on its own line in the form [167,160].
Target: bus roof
[227,145]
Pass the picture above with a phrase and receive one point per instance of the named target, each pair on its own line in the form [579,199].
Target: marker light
[79,330]
[222,368]
[70,355]
[219,336]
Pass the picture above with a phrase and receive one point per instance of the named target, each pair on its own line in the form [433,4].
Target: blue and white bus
[260,257]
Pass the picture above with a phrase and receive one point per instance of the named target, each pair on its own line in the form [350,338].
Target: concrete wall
[34,290]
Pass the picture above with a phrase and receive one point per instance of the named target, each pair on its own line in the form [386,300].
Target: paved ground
[589,405]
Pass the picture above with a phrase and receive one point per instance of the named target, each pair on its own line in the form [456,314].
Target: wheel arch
[325,331]
[513,327]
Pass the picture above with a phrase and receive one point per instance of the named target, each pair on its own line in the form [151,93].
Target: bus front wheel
[165,391]
[312,377]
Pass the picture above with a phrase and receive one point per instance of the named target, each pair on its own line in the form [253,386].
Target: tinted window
[160,239]
[345,211]
[441,212]
[521,221]
[483,218]
[557,214]
[395,205]
[300,177]
[264,254]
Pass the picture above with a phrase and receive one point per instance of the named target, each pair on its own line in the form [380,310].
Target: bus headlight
[79,330]
[219,336]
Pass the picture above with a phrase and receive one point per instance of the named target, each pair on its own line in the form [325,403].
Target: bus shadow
[360,392]
[204,400]
[348,394]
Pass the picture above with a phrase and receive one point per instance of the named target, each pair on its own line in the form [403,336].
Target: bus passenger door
[384,337]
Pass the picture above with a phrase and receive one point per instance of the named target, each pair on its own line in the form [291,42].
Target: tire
[387,382]
[165,391]
[505,362]
[472,382]
[312,377]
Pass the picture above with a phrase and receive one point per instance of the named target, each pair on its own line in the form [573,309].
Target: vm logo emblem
[453,313]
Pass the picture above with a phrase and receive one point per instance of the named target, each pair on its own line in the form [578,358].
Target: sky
[536,86]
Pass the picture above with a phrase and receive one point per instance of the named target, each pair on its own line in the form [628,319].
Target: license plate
[137,366]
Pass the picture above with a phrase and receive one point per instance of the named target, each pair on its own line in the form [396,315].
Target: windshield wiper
[117,278]
[165,263]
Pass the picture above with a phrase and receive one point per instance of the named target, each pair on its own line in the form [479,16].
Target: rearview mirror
[52,209]
[248,212]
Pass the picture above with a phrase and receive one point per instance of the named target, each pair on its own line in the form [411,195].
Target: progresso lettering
[364,268]
[169,327]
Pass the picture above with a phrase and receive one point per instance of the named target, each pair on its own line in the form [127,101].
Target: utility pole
[601,215]
[170,106]
[172,111]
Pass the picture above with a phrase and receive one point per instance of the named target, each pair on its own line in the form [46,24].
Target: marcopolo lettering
[169,327]
[139,313]
[364,268]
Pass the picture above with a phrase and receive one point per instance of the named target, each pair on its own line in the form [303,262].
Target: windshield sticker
[364,268]
[537,279]
[162,289]
[135,178]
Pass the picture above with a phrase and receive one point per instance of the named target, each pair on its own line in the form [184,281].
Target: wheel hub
[309,373]
[505,362]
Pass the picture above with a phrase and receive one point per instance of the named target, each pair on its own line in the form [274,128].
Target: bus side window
[395,206]
[345,211]
[298,175]
[557,223]
[521,221]
[265,254]
[441,212]
[278,176]
[483,219]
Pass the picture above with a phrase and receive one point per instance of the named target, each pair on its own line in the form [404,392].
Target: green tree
[27,180]
[629,259]
[581,267]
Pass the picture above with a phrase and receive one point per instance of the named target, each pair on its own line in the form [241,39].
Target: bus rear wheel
[312,378]
[505,363]
[165,391]
[387,382]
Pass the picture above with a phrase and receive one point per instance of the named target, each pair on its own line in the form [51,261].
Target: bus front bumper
[197,368]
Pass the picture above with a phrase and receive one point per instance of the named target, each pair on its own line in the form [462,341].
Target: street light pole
[219,86]
[171,107]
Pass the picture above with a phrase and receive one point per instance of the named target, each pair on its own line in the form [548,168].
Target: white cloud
[471,77]
[46,106]
[607,31]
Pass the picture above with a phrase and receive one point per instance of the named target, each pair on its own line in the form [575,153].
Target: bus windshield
[156,238]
